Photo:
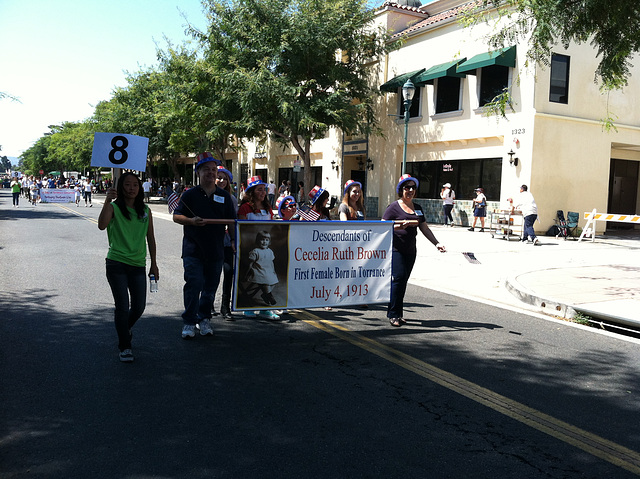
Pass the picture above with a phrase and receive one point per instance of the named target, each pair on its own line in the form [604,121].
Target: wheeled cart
[506,224]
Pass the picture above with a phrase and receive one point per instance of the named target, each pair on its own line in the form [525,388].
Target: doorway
[623,191]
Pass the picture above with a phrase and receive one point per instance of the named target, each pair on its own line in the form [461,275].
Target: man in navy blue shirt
[203,211]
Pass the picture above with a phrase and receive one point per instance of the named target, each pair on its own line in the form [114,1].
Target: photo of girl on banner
[263,259]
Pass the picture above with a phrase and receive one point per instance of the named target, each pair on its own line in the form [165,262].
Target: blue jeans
[126,280]
[528,227]
[447,214]
[401,267]
[201,279]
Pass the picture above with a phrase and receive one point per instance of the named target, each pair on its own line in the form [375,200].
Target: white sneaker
[188,331]
[268,315]
[126,356]
[535,241]
[205,328]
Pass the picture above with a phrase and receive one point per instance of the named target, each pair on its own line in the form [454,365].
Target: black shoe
[395,322]
[471,229]
[481,230]
[269,299]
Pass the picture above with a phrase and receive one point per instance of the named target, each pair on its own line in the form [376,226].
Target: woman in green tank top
[129,223]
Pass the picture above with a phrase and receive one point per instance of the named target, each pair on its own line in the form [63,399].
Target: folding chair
[572,224]
[561,223]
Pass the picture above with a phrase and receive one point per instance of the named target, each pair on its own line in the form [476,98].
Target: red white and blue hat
[254,181]
[222,169]
[315,193]
[351,183]
[280,202]
[206,157]
[403,179]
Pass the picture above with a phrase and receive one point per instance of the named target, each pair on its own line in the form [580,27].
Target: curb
[544,305]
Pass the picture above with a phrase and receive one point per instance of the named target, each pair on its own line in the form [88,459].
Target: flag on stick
[172,202]
[309,215]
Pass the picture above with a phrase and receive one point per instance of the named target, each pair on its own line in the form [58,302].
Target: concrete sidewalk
[556,277]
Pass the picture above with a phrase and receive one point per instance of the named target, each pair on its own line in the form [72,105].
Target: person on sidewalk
[527,204]
[129,223]
[408,219]
[479,208]
[202,244]
[448,197]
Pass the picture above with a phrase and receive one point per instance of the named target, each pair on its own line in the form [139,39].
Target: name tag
[419,213]
[263,212]
[218,199]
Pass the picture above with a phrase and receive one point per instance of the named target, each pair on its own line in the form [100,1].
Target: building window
[559,84]
[494,79]
[414,109]
[464,176]
[447,94]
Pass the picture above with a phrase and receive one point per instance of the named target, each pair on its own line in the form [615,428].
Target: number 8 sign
[118,150]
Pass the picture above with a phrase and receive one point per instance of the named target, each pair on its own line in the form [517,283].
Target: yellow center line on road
[595,445]
[77,213]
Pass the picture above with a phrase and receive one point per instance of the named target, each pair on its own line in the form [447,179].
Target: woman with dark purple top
[408,219]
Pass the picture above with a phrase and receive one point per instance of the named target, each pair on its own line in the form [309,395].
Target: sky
[61,58]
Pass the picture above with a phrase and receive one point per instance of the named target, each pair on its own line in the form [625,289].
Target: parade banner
[52,195]
[304,264]
[118,150]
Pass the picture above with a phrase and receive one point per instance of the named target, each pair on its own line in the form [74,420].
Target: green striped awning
[438,71]
[504,56]
[392,85]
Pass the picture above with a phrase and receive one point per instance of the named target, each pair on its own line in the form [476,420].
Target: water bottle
[153,284]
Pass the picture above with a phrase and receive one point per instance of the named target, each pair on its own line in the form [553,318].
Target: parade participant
[128,224]
[254,207]
[319,198]
[408,218]
[203,211]
[78,192]
[34,193]
[16,187]
[352,206]
[224,179]
[287,207]
[448,197]
[88,188]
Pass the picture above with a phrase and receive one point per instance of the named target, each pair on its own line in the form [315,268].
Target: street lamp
[408,90]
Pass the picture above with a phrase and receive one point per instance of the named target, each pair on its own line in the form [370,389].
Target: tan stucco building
[555,130]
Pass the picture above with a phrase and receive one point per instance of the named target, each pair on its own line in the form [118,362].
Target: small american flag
[309,215]
[172,202]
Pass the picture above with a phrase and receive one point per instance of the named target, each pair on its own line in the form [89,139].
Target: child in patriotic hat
[319,198]
[287,207]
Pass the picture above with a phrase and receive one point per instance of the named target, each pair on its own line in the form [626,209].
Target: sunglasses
[409,187]
[288,206]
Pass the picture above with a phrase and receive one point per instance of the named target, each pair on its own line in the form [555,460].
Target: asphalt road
[464,390]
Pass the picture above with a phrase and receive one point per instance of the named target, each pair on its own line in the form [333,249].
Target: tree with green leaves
[611,27]
[297,67]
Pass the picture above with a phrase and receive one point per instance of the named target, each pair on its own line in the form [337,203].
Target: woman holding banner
[408,218]
[255,207]
[319,198]
[224,180]
[128,224]
[352,206]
